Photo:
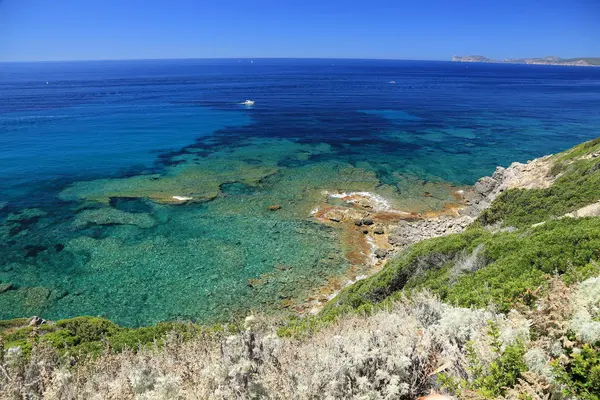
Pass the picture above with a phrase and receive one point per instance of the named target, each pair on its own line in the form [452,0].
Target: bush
[517,263]
[414,263]
[494,379]
[90,336]
[578,186]
[580,376]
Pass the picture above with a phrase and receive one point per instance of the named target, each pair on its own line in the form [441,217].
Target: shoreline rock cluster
[389,231]
[533,174]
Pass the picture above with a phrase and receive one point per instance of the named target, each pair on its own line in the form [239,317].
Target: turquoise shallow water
[90,162]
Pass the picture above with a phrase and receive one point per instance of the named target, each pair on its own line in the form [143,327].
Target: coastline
[399,229]
[575,62]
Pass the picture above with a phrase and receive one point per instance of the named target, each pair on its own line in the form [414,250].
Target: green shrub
[523,260]
[581,150]
[577,187]
[503,372]
[133,338]
[416,261]
[515,262]
[61,339]
[493,380]
[580,377]
[12,323]
[90,336]
[88,329]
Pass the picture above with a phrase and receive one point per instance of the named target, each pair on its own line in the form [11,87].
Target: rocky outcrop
[591,210]
[532,175]
[406,233]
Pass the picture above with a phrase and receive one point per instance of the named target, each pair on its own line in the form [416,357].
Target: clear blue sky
[405,29]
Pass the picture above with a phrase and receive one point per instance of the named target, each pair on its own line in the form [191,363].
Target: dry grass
[393,354]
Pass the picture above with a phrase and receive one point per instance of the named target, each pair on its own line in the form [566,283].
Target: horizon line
[222,58]
[263,58]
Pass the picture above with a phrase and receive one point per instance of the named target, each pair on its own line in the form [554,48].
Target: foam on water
[375,201]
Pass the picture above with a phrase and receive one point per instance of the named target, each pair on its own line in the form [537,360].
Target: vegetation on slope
[404,351]
[577,185]
[477,267]
[84,337]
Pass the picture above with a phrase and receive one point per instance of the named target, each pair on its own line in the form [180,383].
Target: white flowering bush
[415,346]
[586,305]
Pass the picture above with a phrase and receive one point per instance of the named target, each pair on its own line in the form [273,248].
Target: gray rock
[379,230]
[485,185]
[381,253]
[367,221]
[394,239]
[498,174]
[5,287]
[36,321]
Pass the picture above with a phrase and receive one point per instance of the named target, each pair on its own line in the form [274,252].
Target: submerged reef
[252,221]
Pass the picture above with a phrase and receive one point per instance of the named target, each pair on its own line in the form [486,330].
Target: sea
[151,190]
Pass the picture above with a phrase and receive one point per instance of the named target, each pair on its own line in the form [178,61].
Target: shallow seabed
[143,191]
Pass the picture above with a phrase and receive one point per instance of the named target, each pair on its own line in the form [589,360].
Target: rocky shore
[531,175]
[375,231]
[573,62]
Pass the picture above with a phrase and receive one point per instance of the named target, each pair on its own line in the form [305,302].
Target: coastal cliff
[551,60]
[497,298]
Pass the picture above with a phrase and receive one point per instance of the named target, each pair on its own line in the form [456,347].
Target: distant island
[551,60]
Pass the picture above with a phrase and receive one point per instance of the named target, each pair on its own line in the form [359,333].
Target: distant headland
[551,60]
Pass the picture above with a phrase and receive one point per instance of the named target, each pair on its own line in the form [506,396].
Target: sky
[42,30]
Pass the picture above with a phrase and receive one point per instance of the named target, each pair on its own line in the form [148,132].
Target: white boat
[248,103]
[392,82]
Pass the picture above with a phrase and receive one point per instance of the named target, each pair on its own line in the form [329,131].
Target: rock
[334,215]
[379,230]
[358,222]
[37,297]
[367,221]
[427,194]
[250,321]
[381,253]
[275,207]
[485,185]
[112,216]
[365,231]
[394,239]
[36,321]
[498,174]
[253,282]
[28,214]
[33,250]
[5,287]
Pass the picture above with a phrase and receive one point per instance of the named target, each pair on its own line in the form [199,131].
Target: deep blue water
[315,124]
